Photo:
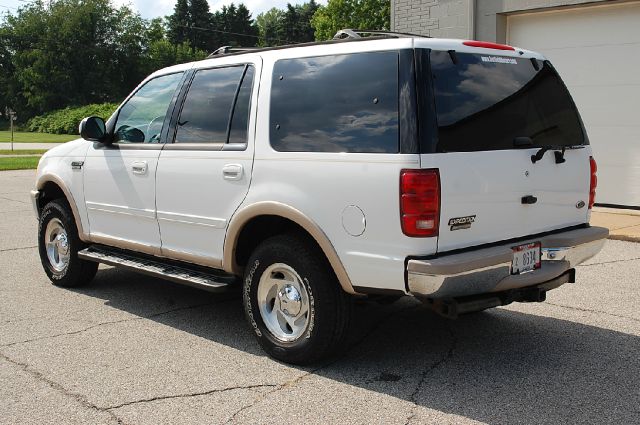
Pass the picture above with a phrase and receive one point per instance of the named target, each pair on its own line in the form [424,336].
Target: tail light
[593,182]
[420,202]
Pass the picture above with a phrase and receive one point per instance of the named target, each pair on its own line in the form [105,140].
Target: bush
[66,121]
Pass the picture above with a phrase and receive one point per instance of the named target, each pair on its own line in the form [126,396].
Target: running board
[184,273]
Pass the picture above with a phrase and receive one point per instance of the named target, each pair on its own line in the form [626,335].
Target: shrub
[66,121]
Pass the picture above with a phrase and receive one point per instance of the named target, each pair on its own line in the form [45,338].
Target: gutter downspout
[471,13]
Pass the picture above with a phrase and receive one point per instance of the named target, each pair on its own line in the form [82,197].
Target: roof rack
[348,33]
[225,50]
[344,35]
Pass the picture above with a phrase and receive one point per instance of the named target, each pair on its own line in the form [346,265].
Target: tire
[313,336]
[61,263]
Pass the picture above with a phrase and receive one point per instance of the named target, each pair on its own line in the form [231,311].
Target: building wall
[435,18]
[476,19]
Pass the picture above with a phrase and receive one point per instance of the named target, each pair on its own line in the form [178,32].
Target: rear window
[484,102]
[340,103]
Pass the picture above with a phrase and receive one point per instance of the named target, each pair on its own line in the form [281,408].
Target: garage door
[596,50]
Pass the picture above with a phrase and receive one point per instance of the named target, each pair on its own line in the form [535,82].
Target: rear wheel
[293,301]
[58,244]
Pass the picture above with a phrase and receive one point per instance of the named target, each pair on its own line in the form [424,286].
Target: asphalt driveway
[131,349]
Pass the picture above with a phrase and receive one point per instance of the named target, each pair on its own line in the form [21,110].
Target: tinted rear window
[341,103]
[484,102]
[205,114]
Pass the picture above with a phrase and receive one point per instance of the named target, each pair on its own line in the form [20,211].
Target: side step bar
[179,272]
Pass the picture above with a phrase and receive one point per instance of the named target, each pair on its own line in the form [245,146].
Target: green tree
[270,27]
[77,52]
[200,20]
[179,22]
[155,31]
[233,26]
[291,25]
[72,52]
[356,14]
[163,53]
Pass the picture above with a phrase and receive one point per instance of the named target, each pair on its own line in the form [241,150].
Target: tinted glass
[240,120]
[140,119]
[206,109]
[484,102]
[343,103]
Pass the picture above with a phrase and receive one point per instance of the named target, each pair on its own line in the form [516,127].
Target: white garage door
[596,50]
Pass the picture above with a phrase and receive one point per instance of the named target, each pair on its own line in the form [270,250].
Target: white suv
[458,172]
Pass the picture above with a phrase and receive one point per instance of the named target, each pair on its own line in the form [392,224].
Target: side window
[140,119]
[240,120]
[207,109]
[342,103]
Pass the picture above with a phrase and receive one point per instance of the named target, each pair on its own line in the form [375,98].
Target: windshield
[484,102]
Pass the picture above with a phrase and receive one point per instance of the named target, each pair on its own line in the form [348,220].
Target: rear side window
[206,115]
[483,102]
[341,103]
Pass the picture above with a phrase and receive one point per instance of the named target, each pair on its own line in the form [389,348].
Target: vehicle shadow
[499,366]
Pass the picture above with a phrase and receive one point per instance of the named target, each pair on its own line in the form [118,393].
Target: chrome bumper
[489,269]
[34,201]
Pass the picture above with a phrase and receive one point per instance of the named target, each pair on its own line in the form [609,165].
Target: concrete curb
[623,225]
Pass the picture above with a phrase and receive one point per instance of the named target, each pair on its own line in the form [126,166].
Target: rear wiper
[558,152]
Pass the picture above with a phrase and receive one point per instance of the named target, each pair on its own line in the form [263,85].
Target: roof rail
[225,50]
[348,33]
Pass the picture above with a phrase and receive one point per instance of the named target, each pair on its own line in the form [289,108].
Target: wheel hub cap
[290,300]
[57,245]
[283,301]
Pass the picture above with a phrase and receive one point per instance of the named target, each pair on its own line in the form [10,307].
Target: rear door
[204,175]
[493,112]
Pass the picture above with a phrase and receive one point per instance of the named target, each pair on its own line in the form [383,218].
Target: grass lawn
[28,162]
[22,151]
[25,137]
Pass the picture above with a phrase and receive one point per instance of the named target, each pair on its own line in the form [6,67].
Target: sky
[153,8]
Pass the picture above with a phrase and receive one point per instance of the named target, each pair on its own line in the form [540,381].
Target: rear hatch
[494,110]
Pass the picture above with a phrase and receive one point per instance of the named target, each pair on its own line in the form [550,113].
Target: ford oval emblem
[580,204]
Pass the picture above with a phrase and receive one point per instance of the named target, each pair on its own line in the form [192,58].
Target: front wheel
[293,301]
[58,244]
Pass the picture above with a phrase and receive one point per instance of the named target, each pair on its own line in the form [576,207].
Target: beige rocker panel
[278,209]
[46,178]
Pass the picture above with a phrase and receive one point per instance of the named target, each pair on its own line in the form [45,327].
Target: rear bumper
[488,270]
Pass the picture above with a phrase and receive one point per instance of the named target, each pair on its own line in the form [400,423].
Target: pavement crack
[295,381]
[195,394]
[423,376]
[56,386]
[594,311]
[13,200]
[130,319]
[19,248]
[609,262]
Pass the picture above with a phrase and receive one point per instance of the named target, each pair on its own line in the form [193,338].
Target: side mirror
[93,129]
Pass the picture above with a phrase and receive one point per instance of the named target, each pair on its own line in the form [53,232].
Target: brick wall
[435,18]
[479,19]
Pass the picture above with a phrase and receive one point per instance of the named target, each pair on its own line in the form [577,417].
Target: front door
[204,175]
[119,178]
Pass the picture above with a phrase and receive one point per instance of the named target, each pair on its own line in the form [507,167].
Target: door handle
[139,167]
[232,172]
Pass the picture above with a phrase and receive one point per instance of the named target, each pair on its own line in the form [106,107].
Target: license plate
[526,258]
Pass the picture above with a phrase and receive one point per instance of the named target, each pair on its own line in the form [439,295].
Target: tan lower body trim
[124,244]
[246,214]
[192,258]
[43,180]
